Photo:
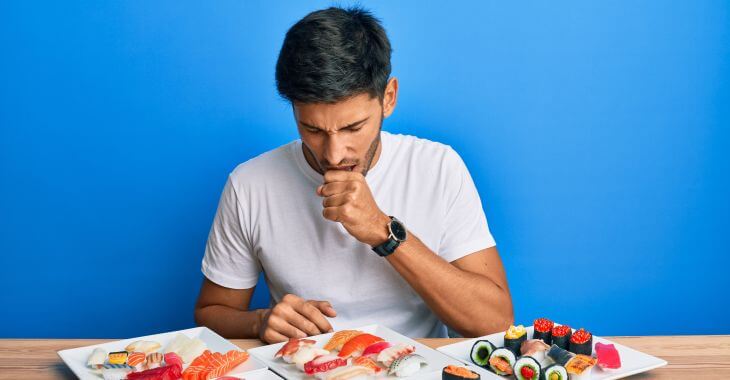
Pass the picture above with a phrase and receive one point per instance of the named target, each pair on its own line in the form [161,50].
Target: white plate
[632,361]
[436,360]
[253,369]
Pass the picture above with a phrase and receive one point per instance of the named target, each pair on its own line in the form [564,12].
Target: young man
[351,225]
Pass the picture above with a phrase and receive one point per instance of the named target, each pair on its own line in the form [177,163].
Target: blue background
[597,134]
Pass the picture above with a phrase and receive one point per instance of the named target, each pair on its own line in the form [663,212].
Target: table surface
[695,356]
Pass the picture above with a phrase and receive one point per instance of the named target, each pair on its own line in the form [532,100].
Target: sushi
[389,354]
[514,337]
[154,360]
[323,363]
[375,348]
[137,360]
[535,348]
[345,373]
[527,368]
[172,358]
[555,372]
[453,372]
[406,365]
[194,348]
[166,372]
[501,361]
[118,357]
[96,359]
[144,346]
[559,355]
[543,330]
[579,367]
[356,345]
[365,361]
[305,354]
[581,342]
[291,347]
[340,338]
[480,352]
[607,356]
[561,336]
[210,365]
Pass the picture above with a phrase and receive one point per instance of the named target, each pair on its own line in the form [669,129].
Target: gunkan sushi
[555,372]
[501,361]
[453,372]
[561,336]
[581,342]
[527,368]
[543,330]
[480,352]
[514,337]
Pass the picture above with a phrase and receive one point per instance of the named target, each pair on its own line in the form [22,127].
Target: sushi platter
[549,351]
[173,355]
[368,352]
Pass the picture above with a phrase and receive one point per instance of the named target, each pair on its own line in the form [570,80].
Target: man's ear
[390,97]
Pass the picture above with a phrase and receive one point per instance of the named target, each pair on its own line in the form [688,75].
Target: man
[315,215]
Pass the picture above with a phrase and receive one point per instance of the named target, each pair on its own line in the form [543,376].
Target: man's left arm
[469,294]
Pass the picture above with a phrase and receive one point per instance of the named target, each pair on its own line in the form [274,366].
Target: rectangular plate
[436,360]
[632,361]
[76,358]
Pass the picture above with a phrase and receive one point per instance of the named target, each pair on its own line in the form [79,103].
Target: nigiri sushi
[580,366]
[406,365]
[154,360]
[345,373]
[389,354]
[356,345]
[375,348]
[96,359]
[291,347]
[323,363]
[535,348]
[305,354]
[137,360]
[340,338]
[144,346]
[365,361]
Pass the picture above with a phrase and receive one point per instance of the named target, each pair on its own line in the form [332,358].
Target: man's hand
[295,317]
[348,200]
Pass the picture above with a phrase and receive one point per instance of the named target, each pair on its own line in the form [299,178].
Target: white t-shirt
[270,218]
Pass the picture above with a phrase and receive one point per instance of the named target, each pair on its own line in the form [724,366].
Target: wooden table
[693,357]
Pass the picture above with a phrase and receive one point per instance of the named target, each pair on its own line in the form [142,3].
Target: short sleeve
[465,228]
[229,258]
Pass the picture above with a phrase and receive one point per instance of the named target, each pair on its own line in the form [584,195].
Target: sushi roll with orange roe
[581,342]
[453,372]
[561,336]
[543,330]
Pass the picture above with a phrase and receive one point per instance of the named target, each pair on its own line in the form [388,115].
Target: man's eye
[354,129]
[312,130]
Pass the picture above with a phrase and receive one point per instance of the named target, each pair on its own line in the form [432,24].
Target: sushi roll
[527,368]
[480,352]
[581,342]
[454,372]
[555,372]
[501,361]
[559,355]
[543,330]
[118,357]
[514,337]
[561,336]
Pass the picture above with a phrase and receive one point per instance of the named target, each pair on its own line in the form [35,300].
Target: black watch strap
[387,248]
[393,242]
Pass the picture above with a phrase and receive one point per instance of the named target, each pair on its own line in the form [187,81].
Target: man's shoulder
[267,165]
[424,150]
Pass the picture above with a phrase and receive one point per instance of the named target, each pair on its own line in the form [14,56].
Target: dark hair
[333,54]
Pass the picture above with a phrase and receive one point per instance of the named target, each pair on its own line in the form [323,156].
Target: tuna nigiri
[356,345]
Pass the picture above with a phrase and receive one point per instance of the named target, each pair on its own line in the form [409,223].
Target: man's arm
[225,311]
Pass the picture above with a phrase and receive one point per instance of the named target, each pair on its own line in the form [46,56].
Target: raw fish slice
[306,354]
[340,338]
[389,354]
[364,361]
[96,359]
[145,346]
[356,345]
[323,363]
[192,349]
[406,365]
[178,342]
[291,347]
[375,348]
[154,360]
[346,373]
[137,360]
[608,357]
[537,349]
[172,358]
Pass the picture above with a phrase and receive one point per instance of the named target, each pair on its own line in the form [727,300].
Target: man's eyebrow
[351,125]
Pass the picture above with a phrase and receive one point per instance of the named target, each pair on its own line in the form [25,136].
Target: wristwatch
[397,234]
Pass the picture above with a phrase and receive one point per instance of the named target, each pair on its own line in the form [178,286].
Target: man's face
[343,135]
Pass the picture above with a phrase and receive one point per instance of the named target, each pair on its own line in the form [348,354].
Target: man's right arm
[225,311]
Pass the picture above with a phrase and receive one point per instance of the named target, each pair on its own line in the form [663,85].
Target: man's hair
[333,54]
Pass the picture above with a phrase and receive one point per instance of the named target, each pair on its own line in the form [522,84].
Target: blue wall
[597,134]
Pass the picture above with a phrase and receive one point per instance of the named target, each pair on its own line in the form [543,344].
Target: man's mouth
[348,168]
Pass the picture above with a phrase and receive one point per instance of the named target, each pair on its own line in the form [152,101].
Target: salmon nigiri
[340,338]
[356,345]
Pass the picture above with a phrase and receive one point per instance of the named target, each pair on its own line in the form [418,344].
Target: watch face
[398,230]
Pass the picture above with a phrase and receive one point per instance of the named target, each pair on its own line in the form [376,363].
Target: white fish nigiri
[96,359]
[406,365]
[144,346]
[305,354]
[391,353]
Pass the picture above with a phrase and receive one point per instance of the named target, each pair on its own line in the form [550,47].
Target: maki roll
[559,355]
[543,330]
[561,336]
[454,372]
[527,368]
[501,361]
[581,342]
[555,372]
[514,337]
[480,352]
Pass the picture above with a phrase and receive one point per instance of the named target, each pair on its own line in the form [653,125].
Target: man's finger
[283,327]
[334,188]
[325,307]
[302,322]
[272,336]
[313,313]
[337,200]
[340,176]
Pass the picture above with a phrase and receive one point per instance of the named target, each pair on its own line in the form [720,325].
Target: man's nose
[334,149]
